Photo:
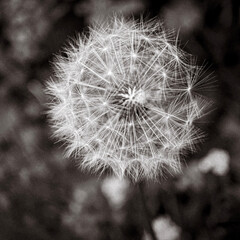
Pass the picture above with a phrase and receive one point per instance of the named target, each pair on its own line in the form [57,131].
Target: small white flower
[216,161]
[126,98]
[115,191]
[166,229]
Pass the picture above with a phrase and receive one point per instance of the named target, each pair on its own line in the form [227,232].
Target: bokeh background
[44,196]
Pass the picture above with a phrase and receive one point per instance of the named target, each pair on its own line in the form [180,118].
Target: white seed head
[125,99]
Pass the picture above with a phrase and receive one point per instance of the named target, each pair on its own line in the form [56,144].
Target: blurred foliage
[44,196]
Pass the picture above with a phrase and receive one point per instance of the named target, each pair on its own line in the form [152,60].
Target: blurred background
[44,196]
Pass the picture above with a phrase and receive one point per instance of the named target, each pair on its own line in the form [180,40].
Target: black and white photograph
[119,120]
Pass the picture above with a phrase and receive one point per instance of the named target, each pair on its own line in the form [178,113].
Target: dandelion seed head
[126,99]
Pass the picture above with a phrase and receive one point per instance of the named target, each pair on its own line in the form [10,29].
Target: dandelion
[125,98]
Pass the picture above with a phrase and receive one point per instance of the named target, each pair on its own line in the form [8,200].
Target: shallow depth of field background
[44,196]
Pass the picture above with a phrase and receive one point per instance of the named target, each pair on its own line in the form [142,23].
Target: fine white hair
[125,98]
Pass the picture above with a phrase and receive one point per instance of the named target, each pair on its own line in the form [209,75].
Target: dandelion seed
[126,99]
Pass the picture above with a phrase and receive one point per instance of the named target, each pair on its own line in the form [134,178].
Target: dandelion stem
[146,213]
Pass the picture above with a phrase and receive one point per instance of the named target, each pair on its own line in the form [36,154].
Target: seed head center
[134,96]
